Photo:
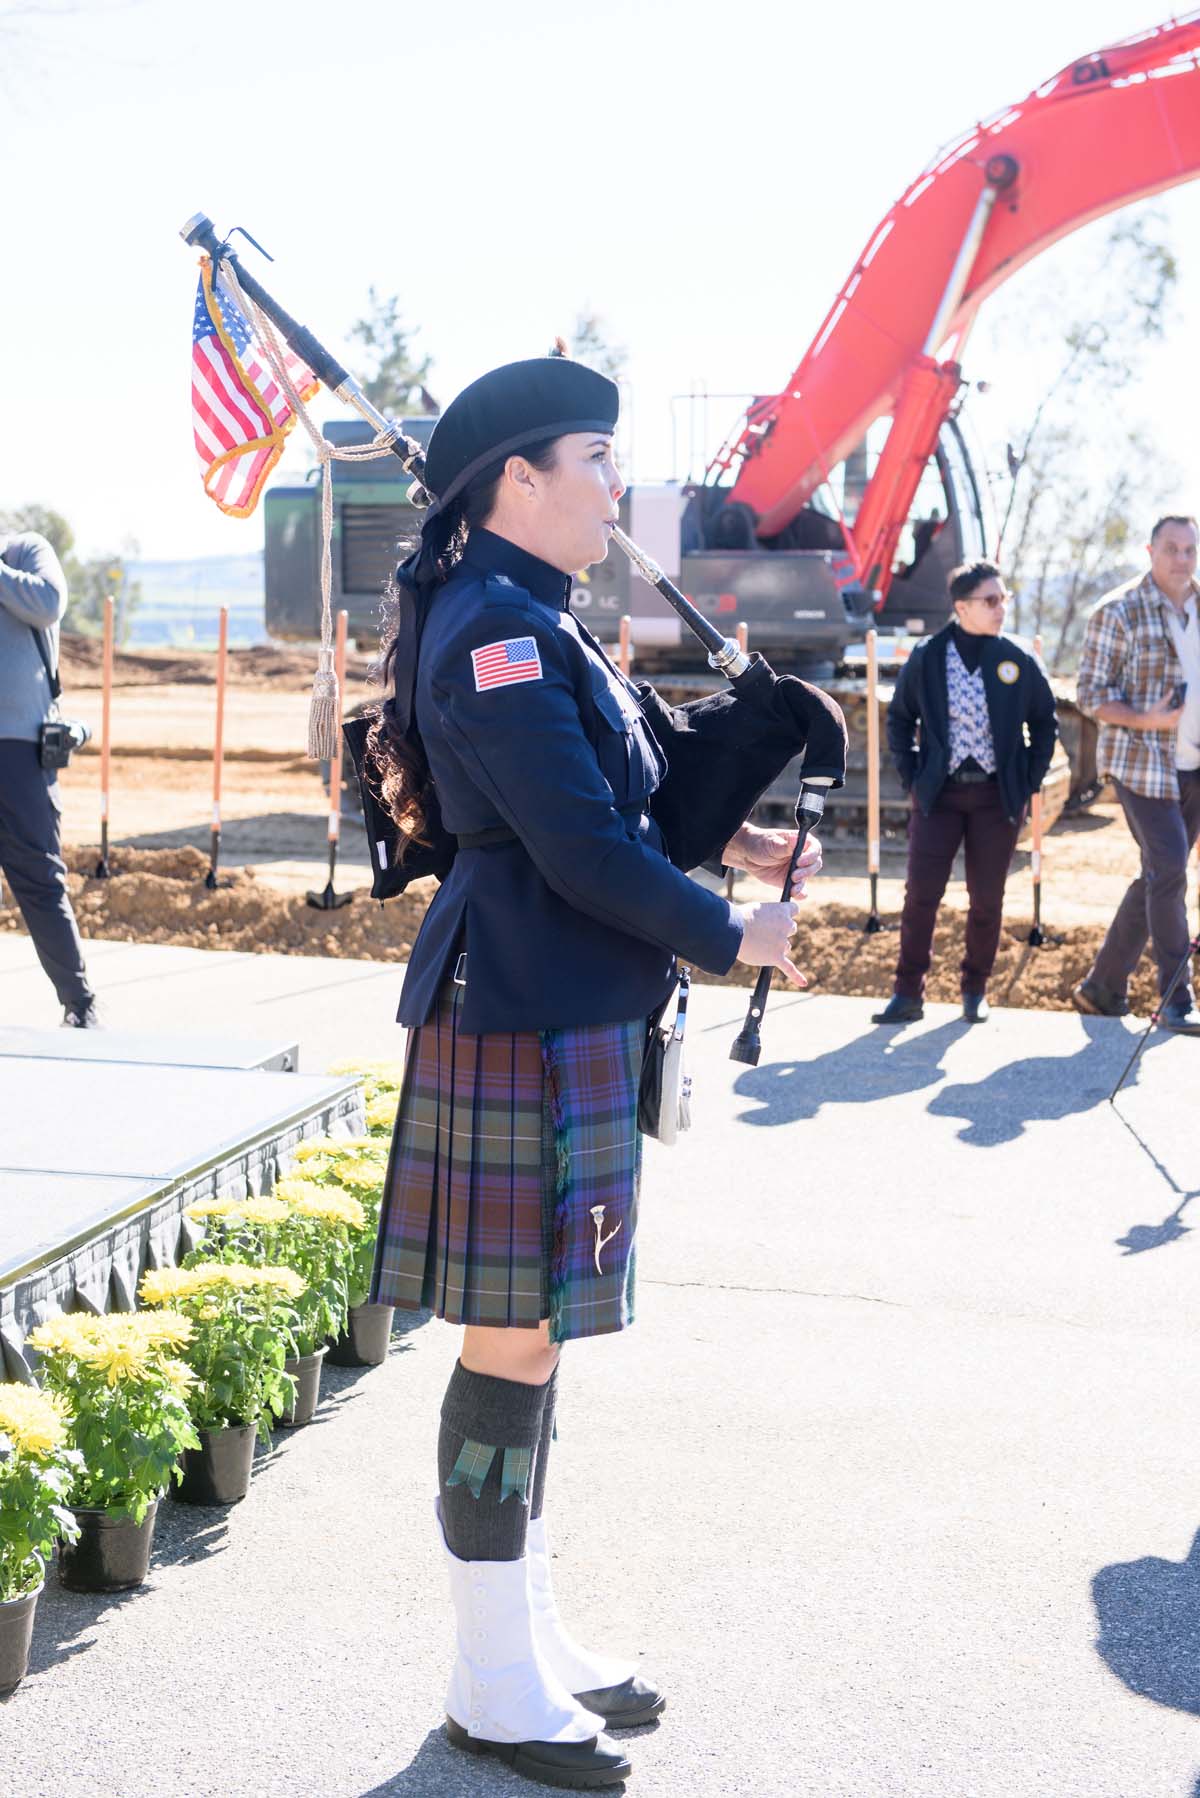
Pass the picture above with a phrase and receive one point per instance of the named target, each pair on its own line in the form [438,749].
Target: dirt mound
[159,896]
[274,665]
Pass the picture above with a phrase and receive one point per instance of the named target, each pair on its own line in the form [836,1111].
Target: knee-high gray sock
[486,1449]
[537,1495]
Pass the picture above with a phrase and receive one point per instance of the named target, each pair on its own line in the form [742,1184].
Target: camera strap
[51,670]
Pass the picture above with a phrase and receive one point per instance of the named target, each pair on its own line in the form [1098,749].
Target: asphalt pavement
[893,1484]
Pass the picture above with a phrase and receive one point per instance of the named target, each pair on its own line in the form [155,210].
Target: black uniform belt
[500,833]
[970,777]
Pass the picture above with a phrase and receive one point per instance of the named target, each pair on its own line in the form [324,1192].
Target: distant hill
[180,601]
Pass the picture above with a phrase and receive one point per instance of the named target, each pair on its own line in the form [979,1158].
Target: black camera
[59,738]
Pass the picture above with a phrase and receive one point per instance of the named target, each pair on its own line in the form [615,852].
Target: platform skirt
[512,1187]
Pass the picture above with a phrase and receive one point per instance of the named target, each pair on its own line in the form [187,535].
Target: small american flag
[240,415]
[505,664]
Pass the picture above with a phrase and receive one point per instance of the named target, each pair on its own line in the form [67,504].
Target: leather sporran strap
[664,1091]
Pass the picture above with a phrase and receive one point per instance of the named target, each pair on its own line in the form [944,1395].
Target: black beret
[510,408]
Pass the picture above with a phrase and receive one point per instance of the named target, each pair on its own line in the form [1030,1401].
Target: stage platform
[105,1137]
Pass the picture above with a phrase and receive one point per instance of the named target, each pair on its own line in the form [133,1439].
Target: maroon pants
[973,815]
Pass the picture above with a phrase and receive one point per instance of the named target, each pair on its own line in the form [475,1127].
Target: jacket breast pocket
[615,749]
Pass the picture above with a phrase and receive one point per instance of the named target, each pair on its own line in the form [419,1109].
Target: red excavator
[794,530]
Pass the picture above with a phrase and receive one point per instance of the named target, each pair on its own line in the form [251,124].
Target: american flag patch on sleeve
[506,664]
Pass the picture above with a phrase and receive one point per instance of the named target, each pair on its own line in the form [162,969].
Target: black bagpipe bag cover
[725,750]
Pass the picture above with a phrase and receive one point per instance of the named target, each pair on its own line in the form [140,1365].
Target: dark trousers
[1155,904]
[32,864]
[973,815]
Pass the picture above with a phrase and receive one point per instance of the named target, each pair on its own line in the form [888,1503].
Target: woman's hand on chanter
[766,854]
[767,931]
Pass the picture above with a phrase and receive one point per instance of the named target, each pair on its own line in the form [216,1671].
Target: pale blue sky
[702,174]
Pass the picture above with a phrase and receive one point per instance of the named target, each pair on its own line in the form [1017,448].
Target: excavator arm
[1117,126]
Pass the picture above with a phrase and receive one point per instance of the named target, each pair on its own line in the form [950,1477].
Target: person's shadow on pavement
[1041,1087]
[1149,1617]
[875,1066]
[438,1768]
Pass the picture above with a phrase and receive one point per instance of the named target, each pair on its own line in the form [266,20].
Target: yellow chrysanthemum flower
[239,1276]
[160,1285]
[333,1207]
[208,1208]
[33,1421]
[381,1113]
[121,1360]
[181,1377]
[291,1191]
[259,1211]
[163,1329]
[340,1148]
[66,1335]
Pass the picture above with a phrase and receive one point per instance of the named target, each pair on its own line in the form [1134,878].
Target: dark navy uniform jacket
[577,917]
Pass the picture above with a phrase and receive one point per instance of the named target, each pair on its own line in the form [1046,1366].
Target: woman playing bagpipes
[511,1198]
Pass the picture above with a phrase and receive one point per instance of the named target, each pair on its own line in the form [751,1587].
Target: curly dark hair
[400,766]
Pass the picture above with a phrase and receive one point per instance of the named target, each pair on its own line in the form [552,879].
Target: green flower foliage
[127,1396]
[37,1471]
[244,1322]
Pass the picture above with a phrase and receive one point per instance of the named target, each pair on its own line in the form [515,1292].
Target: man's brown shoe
[1096,1000]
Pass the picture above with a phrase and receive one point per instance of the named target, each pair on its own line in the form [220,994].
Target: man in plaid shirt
[1139,675]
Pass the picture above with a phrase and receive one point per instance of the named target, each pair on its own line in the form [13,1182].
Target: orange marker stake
[625,646]
[103,870]
[874,922]
[328,899]
[743,637]
[1037,935]
[210,879]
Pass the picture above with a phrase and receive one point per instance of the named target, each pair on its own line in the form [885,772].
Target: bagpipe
[723,751]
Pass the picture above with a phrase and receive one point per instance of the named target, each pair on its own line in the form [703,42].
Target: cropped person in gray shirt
[33,598]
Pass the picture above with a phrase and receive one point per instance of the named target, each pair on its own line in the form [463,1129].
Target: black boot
[899,1010]
[976,1009]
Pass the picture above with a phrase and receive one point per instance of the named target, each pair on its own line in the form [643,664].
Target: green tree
[88,582]
[1085,478]
[394,376]
[591,342]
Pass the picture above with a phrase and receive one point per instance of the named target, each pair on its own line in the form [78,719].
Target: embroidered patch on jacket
[506,664]
[1008,672]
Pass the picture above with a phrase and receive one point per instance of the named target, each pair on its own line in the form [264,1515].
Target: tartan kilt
[512,1186]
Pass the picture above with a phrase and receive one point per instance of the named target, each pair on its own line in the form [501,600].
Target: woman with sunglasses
[964,703]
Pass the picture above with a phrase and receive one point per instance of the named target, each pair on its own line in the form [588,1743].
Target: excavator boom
[1118,125]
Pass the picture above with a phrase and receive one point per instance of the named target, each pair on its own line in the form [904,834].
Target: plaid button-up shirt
[1128,655]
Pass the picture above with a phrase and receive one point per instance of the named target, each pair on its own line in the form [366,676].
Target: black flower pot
[365,1343]
[16,1633]
[218,1472]
[112,1553]
[307,1370]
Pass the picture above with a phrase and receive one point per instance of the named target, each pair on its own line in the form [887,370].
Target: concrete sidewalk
[892,1484]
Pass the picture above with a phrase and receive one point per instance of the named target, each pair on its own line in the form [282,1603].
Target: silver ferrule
[649,571]
[729,660]
[352,395]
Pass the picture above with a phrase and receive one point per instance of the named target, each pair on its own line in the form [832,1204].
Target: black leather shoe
[976,1009]
[1096,1000]
[899,1010]
[1184,1019]
[624,1706]
[573,1766]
